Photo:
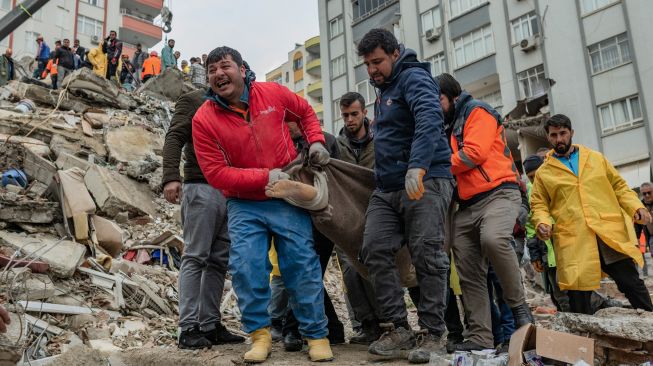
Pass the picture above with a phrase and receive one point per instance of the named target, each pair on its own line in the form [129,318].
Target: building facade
[90,21]
[588,59]
[302,73]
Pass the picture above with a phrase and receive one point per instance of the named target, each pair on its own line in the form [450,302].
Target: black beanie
[532,163]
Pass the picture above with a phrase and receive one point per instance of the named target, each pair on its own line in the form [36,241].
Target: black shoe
[468,346]
[221,335]
[293,342]
[369,333]
[394,343]
[522,315]
[193,339]
[337,335]
[276,329]
[452,342]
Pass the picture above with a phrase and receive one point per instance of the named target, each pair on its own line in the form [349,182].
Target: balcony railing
[141,17]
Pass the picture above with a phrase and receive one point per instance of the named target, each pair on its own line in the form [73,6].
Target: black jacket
[639,228]
[65,56]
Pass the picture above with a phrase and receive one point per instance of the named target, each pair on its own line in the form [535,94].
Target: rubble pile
[89,252]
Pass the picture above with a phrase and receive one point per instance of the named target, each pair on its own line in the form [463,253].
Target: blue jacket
[408,125]
[168,60]
[43,53]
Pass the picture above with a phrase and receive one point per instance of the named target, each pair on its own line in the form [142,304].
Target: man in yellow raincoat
[98,59]
[593,209]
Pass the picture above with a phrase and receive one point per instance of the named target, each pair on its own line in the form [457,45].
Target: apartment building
[302,73]
[87,20]
[588,59]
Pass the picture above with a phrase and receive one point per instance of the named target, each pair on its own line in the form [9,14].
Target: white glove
[318,154]
[277,174]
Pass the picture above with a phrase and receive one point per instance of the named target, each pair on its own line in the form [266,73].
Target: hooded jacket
[168,60]
[236,151]
[98,59]
[408,125]
[359,152]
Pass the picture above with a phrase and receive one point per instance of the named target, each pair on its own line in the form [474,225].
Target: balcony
[151,8]
[312,45]
[314,89]
[319,110]
[314,67]
[139,29]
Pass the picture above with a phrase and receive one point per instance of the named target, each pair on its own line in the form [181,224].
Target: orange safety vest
[151,66]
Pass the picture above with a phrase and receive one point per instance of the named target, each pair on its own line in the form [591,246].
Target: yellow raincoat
[98,59]
[596,202]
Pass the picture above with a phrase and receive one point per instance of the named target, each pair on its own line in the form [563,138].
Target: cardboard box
[550,344]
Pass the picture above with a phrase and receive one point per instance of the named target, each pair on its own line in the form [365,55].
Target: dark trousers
[422,224]
[625,275]
[323,248]
[452,319]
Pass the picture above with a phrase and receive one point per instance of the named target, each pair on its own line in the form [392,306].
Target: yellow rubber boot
[319,350]
[261,346]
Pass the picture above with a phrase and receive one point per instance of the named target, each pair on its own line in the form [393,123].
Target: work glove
[318,154]
[414,185]
[276,175]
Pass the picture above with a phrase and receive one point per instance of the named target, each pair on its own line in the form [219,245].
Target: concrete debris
[109,235]
[115,193]
[63,256]
[132,143]
[39,168]
[44,307]
[87,84]
[169,85]
[22,284]
[36,146]
[66,161]
[76,199]
[19,208]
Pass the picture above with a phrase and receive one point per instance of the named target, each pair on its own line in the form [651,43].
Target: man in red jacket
[241,142]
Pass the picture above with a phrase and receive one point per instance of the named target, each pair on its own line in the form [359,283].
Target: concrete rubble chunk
[132,143]
[28,286]
[115,193]
[76,199]
[37,167]
[27,211]
[97,120]
[168,85]
[66,161]
[63,256]
[109,235]
[636,325]
[87,84]
[38,147]
[42,95]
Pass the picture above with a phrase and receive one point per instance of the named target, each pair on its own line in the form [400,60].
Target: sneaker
[221,335]
[394,342]
[468,346]
[428,343]
[192,338]
[293,342]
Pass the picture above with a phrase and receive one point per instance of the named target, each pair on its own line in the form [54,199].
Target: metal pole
[19,15]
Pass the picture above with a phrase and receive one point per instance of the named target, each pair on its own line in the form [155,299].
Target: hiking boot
[369,333]
[319,350]
[221,335]
[522,315]
[276,330]
[261,346]
[468,346]
[428,343]
[293,342]
[394,342]
[193,339]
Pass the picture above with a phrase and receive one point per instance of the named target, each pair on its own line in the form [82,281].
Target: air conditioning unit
[95,40]
[528,44]
[433,34]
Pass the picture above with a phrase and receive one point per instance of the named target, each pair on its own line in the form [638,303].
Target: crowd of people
[106,60]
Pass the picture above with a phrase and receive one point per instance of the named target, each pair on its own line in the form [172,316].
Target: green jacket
[6,70]
[168,60]
[531,234]
[360,153]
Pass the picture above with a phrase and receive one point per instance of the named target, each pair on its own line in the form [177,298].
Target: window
[588,6]
[460,6]
[5,42]
[493,99]
[609,53]
[337,117]
[336,27]
[524,27]
[98,3]
[298,63]
[620,114]
[89,26]
[338,66]
[299,85]
[366,89]
[437,64]
[278,80]
[364,8]
[473,46]
[532,82]
[30,42]
[5,4]
[431,20]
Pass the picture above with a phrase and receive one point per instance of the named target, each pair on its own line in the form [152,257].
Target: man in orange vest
[151,66]
[489,202]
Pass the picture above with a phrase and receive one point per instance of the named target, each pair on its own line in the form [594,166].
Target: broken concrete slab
[29,286]
[104,345]
[66,161]
[45,307]
[27,211]
[98,119]
[115,193]
[42,95]
[87,84]
[63,256]
[37,167]
[109,235]
[617,322]
[168,85]
[37,146]
[76,199]
[132,143]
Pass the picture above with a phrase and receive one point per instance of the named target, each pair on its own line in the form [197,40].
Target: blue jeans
[251,223]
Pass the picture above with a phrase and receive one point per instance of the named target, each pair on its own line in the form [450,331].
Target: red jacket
[236,152]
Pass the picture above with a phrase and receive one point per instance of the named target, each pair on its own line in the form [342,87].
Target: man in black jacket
[80,54]
[112,46]
[138,59]
[65,60]
[204,220]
